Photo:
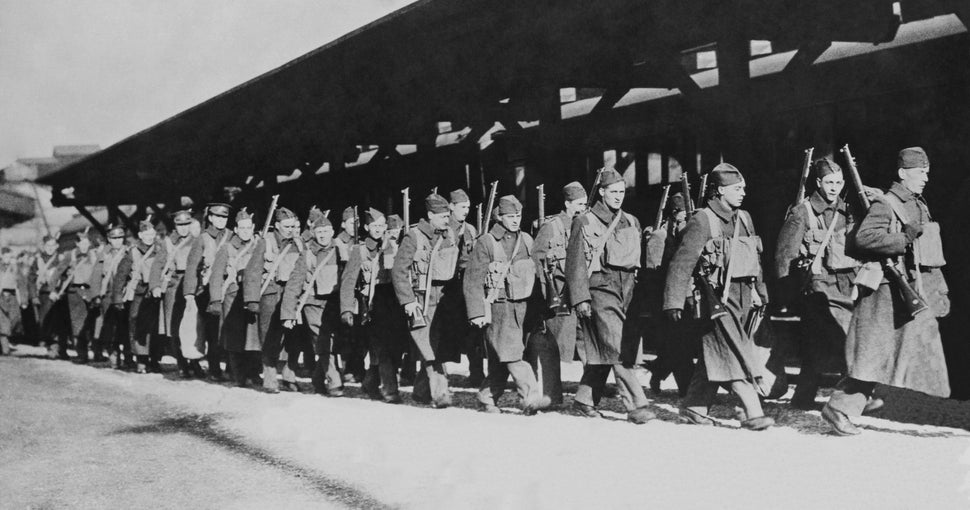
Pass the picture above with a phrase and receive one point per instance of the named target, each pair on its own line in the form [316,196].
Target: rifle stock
[269,216]
[490,207]
[658,222]
[685,190]
[806,168]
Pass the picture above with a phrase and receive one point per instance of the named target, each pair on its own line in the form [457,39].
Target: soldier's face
[50,247]
[439,221]
[83,245]
[116,242]
[323,235]
[288,227]
[460,210]
[733,194]
[376,228]
[512,221]
[147,236]
[394,233]
[218,221]
[183,230]
[575,207]
[831,185]
[348,226]
[680,220]
[914,179]
[244,229]
[195,228]
[614,194]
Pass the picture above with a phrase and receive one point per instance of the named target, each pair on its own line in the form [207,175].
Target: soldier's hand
[214,308]
[347,318]
[413,308]
[55,296]
[289,323]
[673,315]
[872,193]
[252,312]
[156,292]
[35,301]
[583,310]
[912,231]
[479,322]
[118,306]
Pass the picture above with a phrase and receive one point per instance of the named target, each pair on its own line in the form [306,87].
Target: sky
[96,71]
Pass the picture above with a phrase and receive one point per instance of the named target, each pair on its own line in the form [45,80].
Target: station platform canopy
[470,63]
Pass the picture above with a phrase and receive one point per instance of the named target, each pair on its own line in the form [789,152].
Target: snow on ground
[416,457]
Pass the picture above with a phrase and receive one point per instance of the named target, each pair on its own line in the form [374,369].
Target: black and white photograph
[485,254]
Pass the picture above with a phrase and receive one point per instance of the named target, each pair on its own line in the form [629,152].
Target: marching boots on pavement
[554,342]
[133,275]
[195,287]
[602,259]
[311,297]
[264,281]
[423,269]
[811,261]
[238,336]
[498,287]
[366,286]
[166,282]
[886,343]
[722,251]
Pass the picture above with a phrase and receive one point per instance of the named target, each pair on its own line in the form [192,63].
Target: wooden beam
[609,99]
[806,55]
[88,216]
[164,216]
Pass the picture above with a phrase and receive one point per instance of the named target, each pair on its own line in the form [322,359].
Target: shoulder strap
[817,260]
[598,249]
[715,223]
[726,287]
[897,206]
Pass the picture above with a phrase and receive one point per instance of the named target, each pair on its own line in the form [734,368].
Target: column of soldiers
[434,290]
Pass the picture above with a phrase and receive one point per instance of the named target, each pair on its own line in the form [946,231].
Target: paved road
[78,444]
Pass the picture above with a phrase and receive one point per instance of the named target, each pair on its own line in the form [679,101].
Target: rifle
[702,191]
[478,214]
[542,207]
[685,190]
[554,302]
[914,303]
[658,222]
[489,207]
[806,168]
[356,227]
[406,199]
[269,216]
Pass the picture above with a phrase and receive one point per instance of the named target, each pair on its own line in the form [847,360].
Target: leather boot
[525,380]
[270,383]
[440,395]
[841,424]
[372,383]
[4,345]
[388,373]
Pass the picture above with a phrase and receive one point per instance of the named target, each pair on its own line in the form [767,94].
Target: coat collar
[316,247]
[372,244]
[499,231]
[601,211]
[820,204]
[214,232]
[904,194]
[724,212]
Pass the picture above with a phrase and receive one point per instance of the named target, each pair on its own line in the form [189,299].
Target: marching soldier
[721,248]
[498,286]
[40,284]
[134,272]
[238,336]
[602,259]
[264,280]
[78,295]
[555,341]
[195,286]
[366,286]
[811,258]
[13,297]
[109,294]
[311,297]
[423,268]
[469,339]
[166,283]
[885,343]
[346,343]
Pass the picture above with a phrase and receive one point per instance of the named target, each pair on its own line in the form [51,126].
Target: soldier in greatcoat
[264,280]
[195,286]
[424,268]
[602,259]
[312,297]
[555,340]
[166,281]
[41,279]
[347,345]
[111,332]
[885,343]
[13,297]
[132,278]
[238,336]
[76,282]
[811,261]
[499,286]
[720,245]
[368,303]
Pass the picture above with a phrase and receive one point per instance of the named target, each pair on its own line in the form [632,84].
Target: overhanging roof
[390,82]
